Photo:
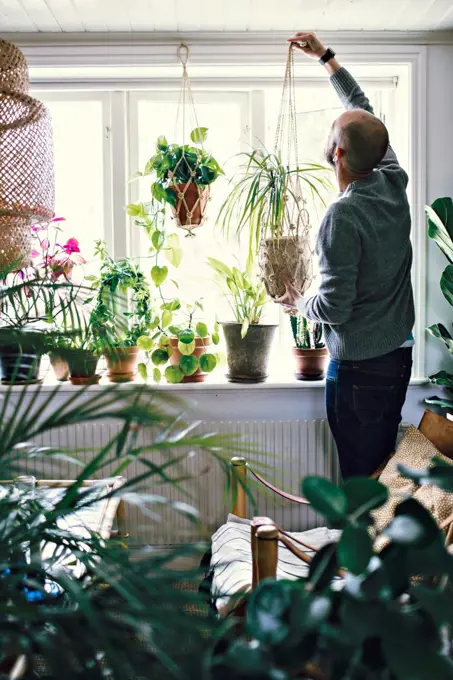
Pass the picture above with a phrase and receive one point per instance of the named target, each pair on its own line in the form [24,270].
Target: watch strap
[327,56]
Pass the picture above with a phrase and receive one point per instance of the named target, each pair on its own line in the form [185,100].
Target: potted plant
[440,230]
[182,177]
[310,353]
[122,313]
[177,344]
[267,200]
[179,352]
[248,341]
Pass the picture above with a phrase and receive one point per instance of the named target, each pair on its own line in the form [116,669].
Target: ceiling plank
[92,14]
[16,18]
[66,15]
[142,14]
[41,15]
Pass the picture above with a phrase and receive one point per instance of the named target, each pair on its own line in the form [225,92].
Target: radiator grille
[291,450]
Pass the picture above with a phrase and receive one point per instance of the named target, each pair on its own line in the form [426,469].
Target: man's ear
[339,153]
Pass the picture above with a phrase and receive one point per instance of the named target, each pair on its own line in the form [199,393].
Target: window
[104,133]
[79,139]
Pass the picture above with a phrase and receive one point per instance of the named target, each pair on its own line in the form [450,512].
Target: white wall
[439,183]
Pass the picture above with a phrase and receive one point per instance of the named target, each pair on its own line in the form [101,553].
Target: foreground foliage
[393,618]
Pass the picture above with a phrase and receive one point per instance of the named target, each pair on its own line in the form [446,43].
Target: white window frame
[105,98]
[250,50]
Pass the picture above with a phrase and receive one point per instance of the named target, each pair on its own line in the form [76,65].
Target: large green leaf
[439,331]
[325,497]
[440,221]
[159,274]
[173,250]
[355,548]
[412,525]
[446,283]
[364,495]
[208,362]
[199,135]
[443,378]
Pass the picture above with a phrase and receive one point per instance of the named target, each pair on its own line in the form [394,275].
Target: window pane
[224,120]
[78,152]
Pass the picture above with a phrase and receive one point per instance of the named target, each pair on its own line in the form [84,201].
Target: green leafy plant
[245,295]
[180,339]
[125,615]
[123,305]
[173,164]
[390,619]
[259,199]
[306,334]
[171,319]
[440,230]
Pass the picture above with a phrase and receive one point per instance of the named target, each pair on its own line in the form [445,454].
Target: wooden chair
[266,535]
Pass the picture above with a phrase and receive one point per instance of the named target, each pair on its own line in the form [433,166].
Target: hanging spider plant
[266,195]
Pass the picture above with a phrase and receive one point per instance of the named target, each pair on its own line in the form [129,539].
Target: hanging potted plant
[182,178]
[310,353]
[183,173]
[121,314]
[269,200]
[248,341]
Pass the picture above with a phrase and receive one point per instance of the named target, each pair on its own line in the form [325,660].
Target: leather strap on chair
[279,492]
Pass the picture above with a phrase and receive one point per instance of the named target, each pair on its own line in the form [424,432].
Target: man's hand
[309,44]
[290,298]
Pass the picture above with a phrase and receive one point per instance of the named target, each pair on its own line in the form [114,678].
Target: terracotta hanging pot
[310,363]
[122,364]
[201,347]
[191,204]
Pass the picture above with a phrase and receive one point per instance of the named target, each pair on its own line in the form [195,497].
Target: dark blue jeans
[364,400]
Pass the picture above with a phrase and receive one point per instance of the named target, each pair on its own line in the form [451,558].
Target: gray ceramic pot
[248,357]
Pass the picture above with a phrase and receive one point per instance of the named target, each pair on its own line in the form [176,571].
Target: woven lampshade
[27,191]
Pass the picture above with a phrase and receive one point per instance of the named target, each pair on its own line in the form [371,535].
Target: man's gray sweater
[365,299]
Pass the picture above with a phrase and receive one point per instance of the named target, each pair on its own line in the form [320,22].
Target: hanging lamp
[27,192]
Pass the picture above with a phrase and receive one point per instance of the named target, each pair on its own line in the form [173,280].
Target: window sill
[213,384]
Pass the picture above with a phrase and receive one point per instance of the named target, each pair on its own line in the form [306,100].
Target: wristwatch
[327,56]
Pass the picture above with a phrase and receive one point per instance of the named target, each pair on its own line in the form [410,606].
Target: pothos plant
[123,303]
[171,320]
[306,334]
[440,230]
[173,164]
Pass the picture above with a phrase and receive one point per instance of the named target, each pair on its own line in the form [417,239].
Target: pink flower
[34,254]
[71,246]
[45,244]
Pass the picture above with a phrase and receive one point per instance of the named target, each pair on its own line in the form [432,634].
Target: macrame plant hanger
[287,254]
[191,197]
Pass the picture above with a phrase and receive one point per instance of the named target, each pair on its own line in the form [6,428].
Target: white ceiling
[31,16]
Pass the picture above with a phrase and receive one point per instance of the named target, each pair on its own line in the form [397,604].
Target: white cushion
[231,561]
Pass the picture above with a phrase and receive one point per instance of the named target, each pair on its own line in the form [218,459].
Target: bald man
[365,299]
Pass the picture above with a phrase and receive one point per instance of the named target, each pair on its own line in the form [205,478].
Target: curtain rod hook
[183,58]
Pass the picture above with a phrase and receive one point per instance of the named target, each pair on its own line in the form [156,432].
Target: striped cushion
[231,561]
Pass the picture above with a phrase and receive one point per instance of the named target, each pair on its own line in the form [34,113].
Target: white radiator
[291,450]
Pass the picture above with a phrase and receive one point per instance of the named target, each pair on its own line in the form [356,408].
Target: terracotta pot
[310,363]
[122,364]
[60,367]
[201,347]
[248,357]
[91,380]
[189,211]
